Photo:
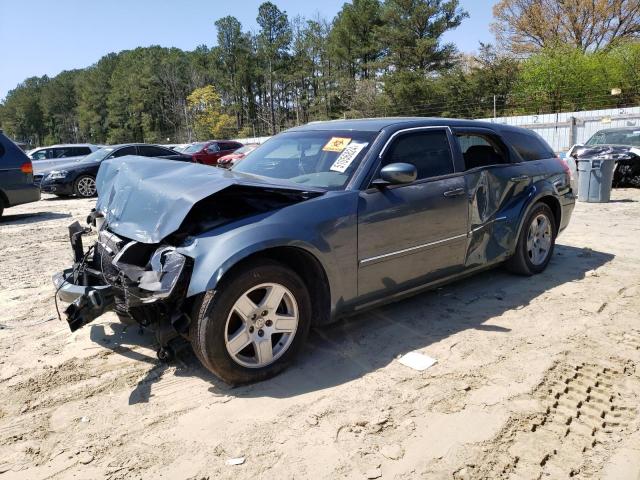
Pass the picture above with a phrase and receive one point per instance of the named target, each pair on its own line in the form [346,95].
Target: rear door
[415,233]
[497,184]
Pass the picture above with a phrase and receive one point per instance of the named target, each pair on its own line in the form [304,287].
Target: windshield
[616,137]
[98,155]
[324,159]
[196,147]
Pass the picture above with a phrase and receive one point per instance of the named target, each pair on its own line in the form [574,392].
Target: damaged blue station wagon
[321,221]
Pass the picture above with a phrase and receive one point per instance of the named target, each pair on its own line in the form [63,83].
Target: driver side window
[428,150]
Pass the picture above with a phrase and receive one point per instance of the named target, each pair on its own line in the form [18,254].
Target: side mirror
[397,174]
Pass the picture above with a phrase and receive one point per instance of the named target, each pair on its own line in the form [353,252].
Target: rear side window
[529,146]
[124,151]
[61,152]
[151,151]
[429,151]
[481,150]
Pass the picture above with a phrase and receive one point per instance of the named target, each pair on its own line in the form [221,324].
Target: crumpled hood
[146,199]
[596,151]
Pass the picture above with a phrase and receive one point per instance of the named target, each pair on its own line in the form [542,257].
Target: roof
[65,145]
[377,124]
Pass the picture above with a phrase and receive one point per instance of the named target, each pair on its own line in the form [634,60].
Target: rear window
[529,146]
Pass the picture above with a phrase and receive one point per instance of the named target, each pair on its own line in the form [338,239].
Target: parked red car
[210,152]
[230,160]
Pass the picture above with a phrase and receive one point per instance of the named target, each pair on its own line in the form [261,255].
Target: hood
[147,199]
[615,151]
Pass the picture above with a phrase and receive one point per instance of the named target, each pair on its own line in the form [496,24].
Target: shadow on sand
[27,218]
[357,345]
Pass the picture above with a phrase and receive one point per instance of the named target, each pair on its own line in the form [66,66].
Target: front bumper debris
[69,290]
[147,282]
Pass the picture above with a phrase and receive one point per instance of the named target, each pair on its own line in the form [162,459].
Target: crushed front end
[141,282]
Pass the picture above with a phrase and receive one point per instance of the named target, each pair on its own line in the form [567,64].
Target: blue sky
[40,37]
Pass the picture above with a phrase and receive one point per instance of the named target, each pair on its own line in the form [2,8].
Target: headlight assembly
[57,174]
[166,267]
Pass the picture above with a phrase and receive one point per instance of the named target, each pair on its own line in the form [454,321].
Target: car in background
[176,147]
[45,158]
[231,159]
[79,178]
[320,222]
[16,176]
[619,144]
[211,151]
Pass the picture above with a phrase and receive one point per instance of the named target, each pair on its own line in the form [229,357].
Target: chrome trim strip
[410,249]
[486,224]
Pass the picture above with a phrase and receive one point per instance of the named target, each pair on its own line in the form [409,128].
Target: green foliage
[203,105]
[375,58]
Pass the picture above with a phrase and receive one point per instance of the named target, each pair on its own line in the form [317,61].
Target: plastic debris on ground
[417,361]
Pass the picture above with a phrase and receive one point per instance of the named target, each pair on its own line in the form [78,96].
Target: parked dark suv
[16,176]
[319,222]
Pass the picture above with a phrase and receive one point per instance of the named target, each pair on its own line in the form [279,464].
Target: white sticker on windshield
[347,156]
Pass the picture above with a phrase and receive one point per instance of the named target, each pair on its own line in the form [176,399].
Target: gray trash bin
[595,176]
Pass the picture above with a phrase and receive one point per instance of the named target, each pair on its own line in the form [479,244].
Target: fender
[333,243]
[540,189]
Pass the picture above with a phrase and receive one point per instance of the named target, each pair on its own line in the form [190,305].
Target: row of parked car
[66,170]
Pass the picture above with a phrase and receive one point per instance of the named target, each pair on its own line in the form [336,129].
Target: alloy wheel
[261,325]
[539,239]
[86,187]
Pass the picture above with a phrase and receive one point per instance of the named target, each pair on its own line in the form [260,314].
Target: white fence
[560,130]
[563,130]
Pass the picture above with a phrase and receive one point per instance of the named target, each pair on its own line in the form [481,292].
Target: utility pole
[494,108]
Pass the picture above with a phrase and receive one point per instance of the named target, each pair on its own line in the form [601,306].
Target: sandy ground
[536,377]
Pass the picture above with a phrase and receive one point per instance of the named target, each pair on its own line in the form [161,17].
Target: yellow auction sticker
[336,144]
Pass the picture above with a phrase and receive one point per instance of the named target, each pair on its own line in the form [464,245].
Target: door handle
[520,178]
[454,193]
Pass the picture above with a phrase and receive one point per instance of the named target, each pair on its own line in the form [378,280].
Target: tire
[1,207]
[85,186]
[217,323]
[528,258]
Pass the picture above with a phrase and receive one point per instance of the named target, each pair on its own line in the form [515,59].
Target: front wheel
[85,186]
[254,323]
[535,243]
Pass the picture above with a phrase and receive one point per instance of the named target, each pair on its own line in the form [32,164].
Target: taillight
[26,168]
[565,167]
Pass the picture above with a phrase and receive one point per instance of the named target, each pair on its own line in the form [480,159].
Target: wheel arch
[546,197]
[305,264]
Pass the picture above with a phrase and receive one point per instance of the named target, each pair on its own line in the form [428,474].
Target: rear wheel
[85,186]
[535,243]
[254,323]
